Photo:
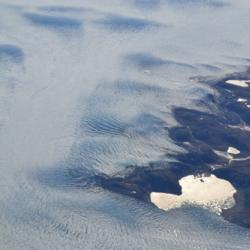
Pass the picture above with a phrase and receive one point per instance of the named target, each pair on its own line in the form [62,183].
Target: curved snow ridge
[11,53]
[127,24]
[54,22]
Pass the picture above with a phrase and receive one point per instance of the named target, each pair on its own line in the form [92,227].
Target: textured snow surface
[87,87]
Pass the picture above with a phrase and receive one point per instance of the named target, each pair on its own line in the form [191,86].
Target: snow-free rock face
[100,101]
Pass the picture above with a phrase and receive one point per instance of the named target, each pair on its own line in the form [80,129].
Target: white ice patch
[239,83]
[210,192]
[241,100]
[233,151]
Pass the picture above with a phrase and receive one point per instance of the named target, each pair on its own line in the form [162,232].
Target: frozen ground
[87,87]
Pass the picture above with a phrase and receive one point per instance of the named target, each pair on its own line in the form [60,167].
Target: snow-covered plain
[87,87]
